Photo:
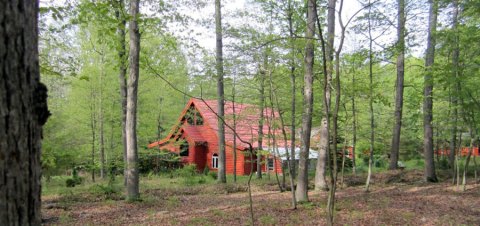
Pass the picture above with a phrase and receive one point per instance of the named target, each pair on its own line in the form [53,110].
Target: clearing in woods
[396,198]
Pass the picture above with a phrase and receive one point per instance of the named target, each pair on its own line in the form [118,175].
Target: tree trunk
[132,90]
[121,49]
[454,96]
[293,82]
[234,133]
[93,128]
[320,180]
[302,183]
[467,161]
[289,163]
[23,112]
[102,123]
[370,102]
[354,125]
[320,171]
[222,177]
[399,86]
[260,122]
[430,175]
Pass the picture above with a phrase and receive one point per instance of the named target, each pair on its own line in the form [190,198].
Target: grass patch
[267,220]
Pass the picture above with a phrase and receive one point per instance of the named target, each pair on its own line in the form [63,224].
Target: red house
[194,137]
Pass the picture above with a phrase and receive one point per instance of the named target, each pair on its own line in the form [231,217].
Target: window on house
[215,161]
[184,149]
[270,164]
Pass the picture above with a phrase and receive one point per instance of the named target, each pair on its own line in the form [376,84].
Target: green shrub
[189,170]
[75,180]
[70,182]
[213,175]
[206,171]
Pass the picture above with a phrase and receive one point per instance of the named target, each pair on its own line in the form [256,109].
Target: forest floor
[395,198]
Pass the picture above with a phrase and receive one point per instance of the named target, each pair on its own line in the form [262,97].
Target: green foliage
[157,161]
[213,175]
[75,180]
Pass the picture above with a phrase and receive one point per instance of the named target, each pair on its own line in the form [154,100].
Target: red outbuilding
[194,137]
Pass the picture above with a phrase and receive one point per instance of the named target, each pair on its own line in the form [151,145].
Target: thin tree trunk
[456,177]
[399,86]
[101,121]
[93,127]
[302,184]
[292,79]
[334,174]
[234,133]
[323,155]
[430,175]
[465,167]
[370,104]
[289,163]
[121,52]
[454,100]
[273,135]
[222,177]
[132,91]
[344,146]
[354,126]
[260,122]
[23,112]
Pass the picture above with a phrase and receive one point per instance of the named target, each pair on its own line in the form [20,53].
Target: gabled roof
[247,118]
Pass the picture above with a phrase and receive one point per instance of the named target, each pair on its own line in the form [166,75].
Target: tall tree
[132,91]
[23,112]
[430,175]
[293,82]
[399,85]
[370,99]
[456,87]
[320,180]
[302,183]
[122,72]
[222,177]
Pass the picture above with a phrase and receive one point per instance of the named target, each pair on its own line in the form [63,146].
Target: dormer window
[193,117]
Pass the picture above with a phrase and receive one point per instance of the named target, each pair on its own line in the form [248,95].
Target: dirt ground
[396,198]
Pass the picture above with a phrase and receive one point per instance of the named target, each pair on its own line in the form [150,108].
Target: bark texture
[430,175]
[320,173]
[132,91]
[302,178]
[399,86]
[23,112]
[222,177]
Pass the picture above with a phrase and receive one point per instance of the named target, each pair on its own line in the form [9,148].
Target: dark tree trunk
[222,177]
[119,11]
[23,112]
[430,175]
[399,86]
[302,183]
[132,91]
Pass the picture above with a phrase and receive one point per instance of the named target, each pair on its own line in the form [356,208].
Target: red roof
[247,118]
